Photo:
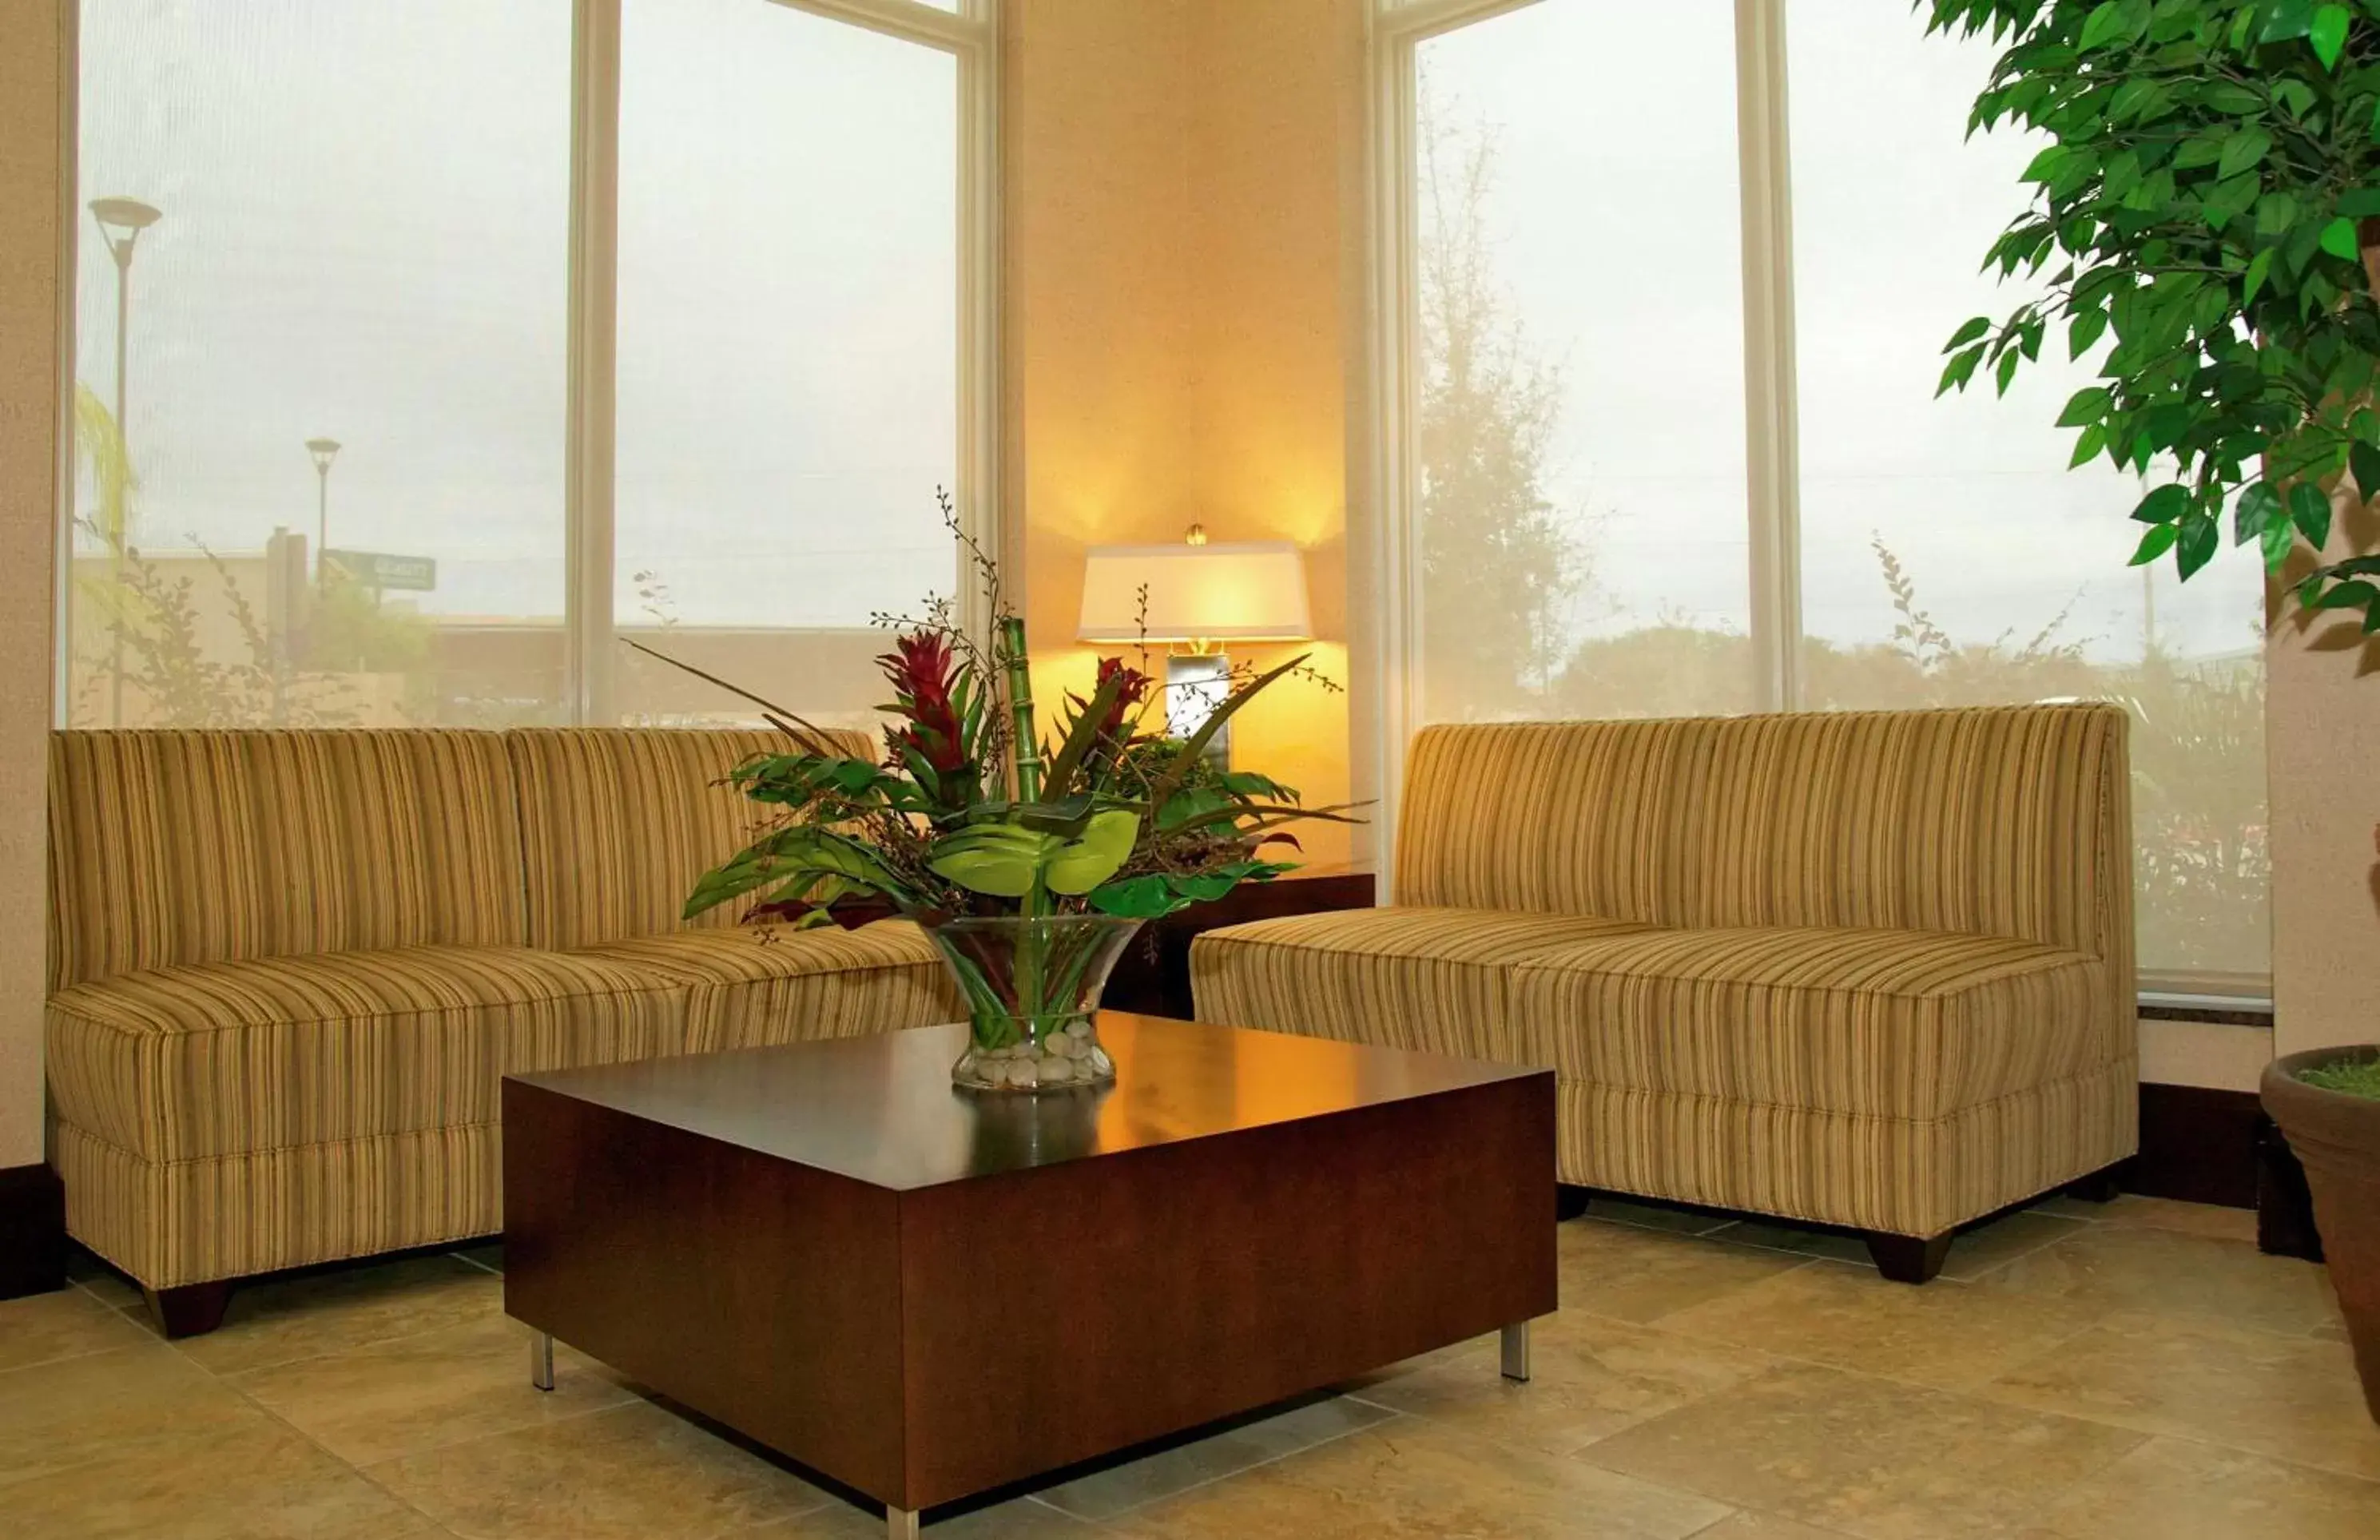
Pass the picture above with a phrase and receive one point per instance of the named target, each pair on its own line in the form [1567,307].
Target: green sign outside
[378,569]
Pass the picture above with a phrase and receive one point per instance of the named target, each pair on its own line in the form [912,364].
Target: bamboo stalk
[1027,748]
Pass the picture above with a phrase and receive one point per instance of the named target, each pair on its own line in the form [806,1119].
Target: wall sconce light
[1199,598]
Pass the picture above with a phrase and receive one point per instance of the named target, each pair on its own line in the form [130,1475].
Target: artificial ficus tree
[2209,204]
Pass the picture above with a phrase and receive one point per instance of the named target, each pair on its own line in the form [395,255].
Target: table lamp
[1199,597]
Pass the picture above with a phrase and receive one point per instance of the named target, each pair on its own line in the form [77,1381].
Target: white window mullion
[594,360]
[1772,427]
[980,491]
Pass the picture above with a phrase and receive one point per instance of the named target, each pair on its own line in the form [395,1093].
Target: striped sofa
[288,971]
[1866,970]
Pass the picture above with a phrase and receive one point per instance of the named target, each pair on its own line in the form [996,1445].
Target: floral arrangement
[1028,851]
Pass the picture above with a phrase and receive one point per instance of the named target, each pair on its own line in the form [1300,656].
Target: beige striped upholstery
[1868,969]
[290,970]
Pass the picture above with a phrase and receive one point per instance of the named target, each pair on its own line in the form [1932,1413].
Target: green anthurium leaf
[1082,864]
[999,860]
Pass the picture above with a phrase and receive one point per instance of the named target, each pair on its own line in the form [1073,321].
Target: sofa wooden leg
[192,1310]
[1910,1258]
[1569,1202]
[2101,1186]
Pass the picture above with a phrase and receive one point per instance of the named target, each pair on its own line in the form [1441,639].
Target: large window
[1585,215]
[429,353]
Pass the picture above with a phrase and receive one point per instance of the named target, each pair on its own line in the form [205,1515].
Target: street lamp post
[324,451]
[121,220]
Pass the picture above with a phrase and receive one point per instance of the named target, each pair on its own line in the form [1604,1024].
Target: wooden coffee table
[925,1294]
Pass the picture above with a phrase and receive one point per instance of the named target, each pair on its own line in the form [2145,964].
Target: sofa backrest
[1993,821]
[170,847]
[618,822]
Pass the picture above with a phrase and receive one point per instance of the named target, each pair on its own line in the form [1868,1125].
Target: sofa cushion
[170,847]
[1901,1024]
[217,1058]
[1429,978]
[617,823]
[750,988]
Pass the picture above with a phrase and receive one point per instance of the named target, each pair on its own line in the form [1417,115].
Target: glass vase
[1032,989]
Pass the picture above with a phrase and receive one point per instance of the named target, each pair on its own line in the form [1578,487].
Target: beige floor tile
[2066,1206]
[1950,1334]
[344,1308]
[2136,1268]
[2291,1397]
[1590,1377]
[125,1404]
[1871,1458]
[261,1482]
[1631,1274]
[395,1398]
[1105,1494]
[65,1323]
[2191,1218]
[1974,1253]
[104,1283]
[1020,1518]
[1765,1526]
[1653,1216]
[2170,1490]
[1408,1480]
[2331,1331]
[632,1472]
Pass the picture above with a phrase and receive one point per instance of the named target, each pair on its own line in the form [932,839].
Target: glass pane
[788,352]
[1582,514]
[1947,556]
[360,220]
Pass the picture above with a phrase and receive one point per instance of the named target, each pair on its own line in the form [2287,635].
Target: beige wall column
[1183,208]
[2322,738]
[30,102]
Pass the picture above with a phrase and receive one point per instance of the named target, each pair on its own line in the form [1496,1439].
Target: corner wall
[1183,218]
[30,168]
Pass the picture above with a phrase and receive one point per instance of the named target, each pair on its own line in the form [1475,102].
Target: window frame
[1388,608]
[970,35]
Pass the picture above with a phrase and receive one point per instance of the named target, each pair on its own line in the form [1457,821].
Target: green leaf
[2339,239]
[2364,461]
[2007,372]
[2279,536]
[1968,334]
[2153,544]
[2276,212]
[2165,505]
[2241,150]
[2287,18]
[2328,34]
[1082,864]
[2257,507]
[2104,23]
[2362,202]
[2310,512]
[1959,370]
[2086,407]
[2260,267]
[2088,444]
[2198,539]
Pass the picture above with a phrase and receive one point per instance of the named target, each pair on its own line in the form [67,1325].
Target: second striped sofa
[288,971]
[1868,970]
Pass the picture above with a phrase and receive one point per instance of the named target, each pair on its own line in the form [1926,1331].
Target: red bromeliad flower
[1134,691]
[924,673]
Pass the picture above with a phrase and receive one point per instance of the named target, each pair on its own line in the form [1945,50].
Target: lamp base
[1196,683]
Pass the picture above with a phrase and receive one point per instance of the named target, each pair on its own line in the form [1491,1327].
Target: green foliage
[2356,1077]
[2213,177]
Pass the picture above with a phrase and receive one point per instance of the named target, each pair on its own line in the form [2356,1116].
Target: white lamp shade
[1249,592]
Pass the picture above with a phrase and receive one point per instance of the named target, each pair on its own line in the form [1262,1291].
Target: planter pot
[2338,1138]
[1032,989]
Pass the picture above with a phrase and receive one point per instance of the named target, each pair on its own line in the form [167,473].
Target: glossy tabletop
[883,1110]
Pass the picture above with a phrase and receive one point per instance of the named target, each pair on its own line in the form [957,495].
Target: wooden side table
[1153,979]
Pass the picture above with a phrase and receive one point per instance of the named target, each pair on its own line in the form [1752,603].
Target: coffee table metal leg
[900,1524]
[541,1361]
[1516,1351]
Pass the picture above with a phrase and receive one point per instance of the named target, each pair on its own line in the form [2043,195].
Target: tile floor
[2079,1373]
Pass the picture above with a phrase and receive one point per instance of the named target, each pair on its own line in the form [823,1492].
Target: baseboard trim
[33,1230]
